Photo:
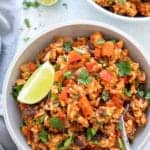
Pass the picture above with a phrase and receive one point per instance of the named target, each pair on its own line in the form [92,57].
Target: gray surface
[42,18]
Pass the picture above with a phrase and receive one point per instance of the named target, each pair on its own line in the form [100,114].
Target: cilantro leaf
[27,4]
[105,95]
[43,135]
[40,120]
[84,77]
[140,92]
[16,90]
[26,39]
[147,94]
[90,133]
[100,42]
[127,92]
[68,74]
[27,22]
[67,46]
[124,68]
[55,122]
[65,145]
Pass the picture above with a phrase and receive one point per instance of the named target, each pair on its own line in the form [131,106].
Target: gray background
[43,17]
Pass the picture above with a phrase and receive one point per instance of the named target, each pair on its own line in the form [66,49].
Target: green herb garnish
[27,22]
[26,39]
[65,145]
[147,94]
[127,92]
[90,133]
[79,50]
[54,97]
[113,41]
[68,74]
[59,86]
[65,58]
[27,4]
[105,95]
[140,92]
[40,120]
[100,42]
[57,67]
[67,46]
[55,122]
[124,68]
[84,77]
[43,135]
[16,90]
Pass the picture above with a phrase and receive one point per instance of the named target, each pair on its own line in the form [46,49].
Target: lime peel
[38,85]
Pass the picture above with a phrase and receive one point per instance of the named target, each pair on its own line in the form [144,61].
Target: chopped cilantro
[59,86]
[65,144]
[147,94]
[127,91]
[68,74]
[40,120]
[16,90]
[65,58]
[43,135]
[100,42]
[105,95]
[26,39]
[57,67]
[113,41]
[55,122]
[90,133]
[84,77]
[27,22]
[140,92]
[124,68]
[27,4]
[67,46]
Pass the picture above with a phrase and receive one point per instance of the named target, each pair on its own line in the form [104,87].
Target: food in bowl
[129,8]
[95,79]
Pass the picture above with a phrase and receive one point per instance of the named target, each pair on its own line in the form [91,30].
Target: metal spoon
[4,28]
[123,131]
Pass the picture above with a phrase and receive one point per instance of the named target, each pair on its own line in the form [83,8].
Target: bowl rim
[117,16]
[36,37]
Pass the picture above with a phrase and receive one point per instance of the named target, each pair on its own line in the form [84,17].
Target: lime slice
[38,85]
[47,2]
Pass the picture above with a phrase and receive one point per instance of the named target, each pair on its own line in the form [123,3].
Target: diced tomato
[97,53]
[74,57]
[117,100]
[64,95]
[108,49]
[85,106]
[90,66]
[106,75]
[32,67]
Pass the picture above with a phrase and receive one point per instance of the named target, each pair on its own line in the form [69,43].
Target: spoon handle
[124,134]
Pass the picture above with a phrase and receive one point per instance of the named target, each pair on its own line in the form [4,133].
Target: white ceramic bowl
[11,111]
[117,16]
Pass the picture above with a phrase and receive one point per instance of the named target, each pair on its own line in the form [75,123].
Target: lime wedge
[47,2]
[38,85]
